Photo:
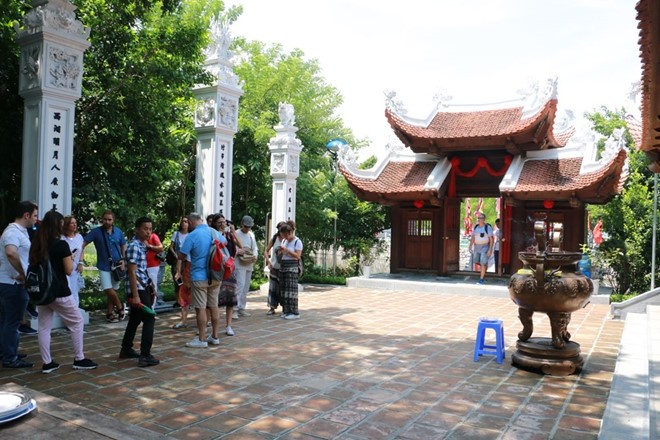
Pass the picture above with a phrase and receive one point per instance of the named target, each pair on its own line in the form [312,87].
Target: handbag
[162,256]
[118,273]
[248,256]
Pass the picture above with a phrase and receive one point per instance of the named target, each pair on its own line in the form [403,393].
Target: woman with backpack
[47,244]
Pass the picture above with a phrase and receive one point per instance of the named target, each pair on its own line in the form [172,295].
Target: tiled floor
[359,364]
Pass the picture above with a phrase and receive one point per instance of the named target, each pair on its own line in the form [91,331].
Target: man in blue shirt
[204,293]
[110,247]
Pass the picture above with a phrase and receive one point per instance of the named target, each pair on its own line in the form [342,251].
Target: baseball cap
[247,221]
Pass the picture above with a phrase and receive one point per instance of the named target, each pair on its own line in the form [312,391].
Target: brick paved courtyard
[359,364]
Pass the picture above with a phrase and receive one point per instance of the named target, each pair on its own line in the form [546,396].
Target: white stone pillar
[285,150]
[52,44]
[216,123]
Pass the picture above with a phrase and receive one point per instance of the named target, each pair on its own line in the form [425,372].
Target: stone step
[627,413]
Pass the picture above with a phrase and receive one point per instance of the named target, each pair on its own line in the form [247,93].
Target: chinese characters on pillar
[222,179]
[54,158]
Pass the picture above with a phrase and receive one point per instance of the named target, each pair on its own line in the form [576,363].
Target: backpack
[219,264]
[41,283]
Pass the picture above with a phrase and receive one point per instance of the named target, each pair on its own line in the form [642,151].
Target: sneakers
[18,363]
[25,329]
[480,282]
[291,316]
[271,312]
[128,354]
[84,364]
[50,367]
[179,325]
[211,340]
[147,361]
[229,331]
[122,314]
[234,315]
[243,312]
[196,343]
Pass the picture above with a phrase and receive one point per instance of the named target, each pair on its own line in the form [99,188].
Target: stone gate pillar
[52,43]
[216,123]
[285,150]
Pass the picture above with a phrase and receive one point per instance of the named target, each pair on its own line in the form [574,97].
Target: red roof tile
[563,176]
[397,178]
[476,124]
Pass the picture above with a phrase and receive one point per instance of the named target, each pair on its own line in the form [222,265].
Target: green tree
[134,147]
[627,219]
[11,108]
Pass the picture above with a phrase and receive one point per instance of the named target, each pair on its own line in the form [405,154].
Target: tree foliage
[627,219]
[134,137]
[272,76]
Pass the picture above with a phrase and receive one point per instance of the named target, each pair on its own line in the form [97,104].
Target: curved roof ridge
[531,101]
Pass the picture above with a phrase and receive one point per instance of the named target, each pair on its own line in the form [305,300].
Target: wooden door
[451,230]
[418,241]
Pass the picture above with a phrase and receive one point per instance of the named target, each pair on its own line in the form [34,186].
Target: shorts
[480,254]
[106,280]
[204,294]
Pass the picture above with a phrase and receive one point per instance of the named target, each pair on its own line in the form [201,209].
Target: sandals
[179,325]
[122,314]
[111,318]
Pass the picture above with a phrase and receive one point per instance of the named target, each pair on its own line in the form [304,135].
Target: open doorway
[471,208]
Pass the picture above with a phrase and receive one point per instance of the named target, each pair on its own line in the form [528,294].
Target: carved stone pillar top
[218,56]
[52,15]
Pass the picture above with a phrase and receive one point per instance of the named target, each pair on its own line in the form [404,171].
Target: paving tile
[355,376]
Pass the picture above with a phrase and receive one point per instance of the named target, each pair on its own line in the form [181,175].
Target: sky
[476,51]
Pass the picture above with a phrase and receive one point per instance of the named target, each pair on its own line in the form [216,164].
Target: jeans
[135,318]
[13,300]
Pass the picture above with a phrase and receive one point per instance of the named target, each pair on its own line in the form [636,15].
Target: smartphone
[73,252]
[179,282]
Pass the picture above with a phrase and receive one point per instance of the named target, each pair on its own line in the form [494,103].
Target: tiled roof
[648,14]
[554,178]
[563,176]
[477,124]
[395,181]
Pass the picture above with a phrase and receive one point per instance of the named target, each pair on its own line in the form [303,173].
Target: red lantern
[418,204]
[548,204]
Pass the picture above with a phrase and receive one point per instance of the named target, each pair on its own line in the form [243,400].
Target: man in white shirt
[482,241]
[14,255]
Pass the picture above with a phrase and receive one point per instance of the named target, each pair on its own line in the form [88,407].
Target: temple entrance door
[418,244]
[450,235]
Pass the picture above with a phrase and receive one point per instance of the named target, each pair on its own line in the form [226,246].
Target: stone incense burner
[549,283]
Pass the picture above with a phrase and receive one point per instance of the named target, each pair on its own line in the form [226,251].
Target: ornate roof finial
[441,98]
[537,94]
[394,104]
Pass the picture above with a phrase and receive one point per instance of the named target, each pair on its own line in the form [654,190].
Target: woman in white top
[290,253]
[75,241]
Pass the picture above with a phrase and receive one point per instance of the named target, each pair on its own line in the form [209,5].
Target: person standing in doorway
[482,241]
[247,255]
[498,240]
[110,245]
[14,255]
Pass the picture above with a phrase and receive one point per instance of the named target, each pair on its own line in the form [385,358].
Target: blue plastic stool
[481,348]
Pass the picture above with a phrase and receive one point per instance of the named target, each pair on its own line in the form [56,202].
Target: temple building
[521,151]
